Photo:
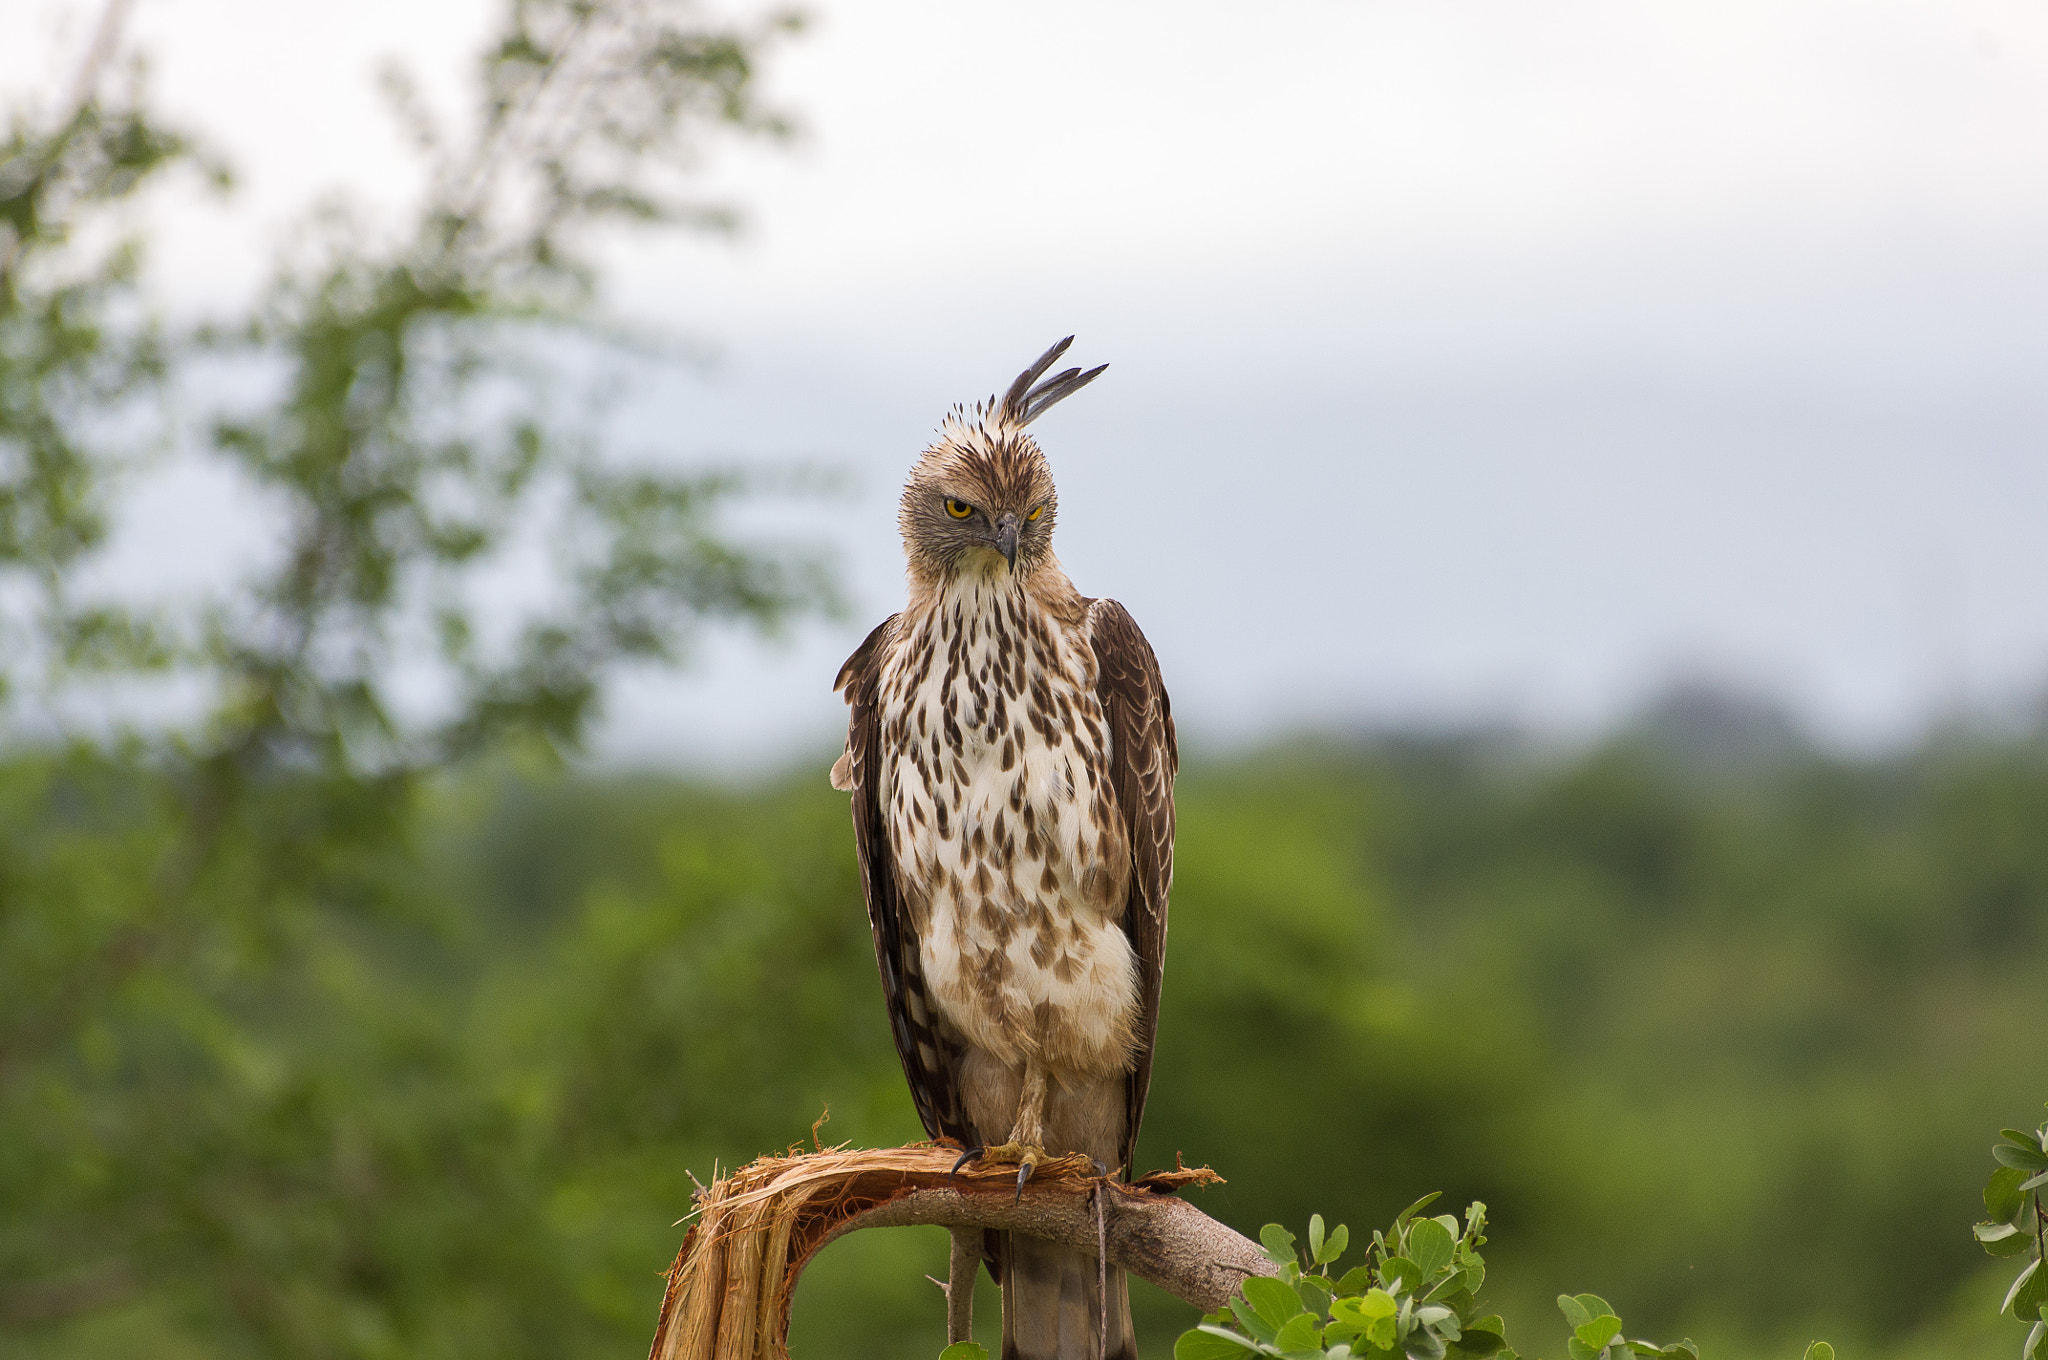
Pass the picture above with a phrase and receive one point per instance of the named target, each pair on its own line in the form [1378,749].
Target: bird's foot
[1025,1156]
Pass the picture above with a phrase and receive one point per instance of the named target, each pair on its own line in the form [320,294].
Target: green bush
[2017,1227]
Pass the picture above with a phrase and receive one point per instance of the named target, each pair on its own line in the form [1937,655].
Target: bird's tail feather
[1050,1304]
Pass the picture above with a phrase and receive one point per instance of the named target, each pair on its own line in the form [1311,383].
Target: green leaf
[1579,1350]
[1820,1350]
[2028,1299]
[1275,1300]
[2035,1182]
[1356,1280]
[974,1350]
[2025,1158]
[1333,1247]
[1401,1275]
[1598,1332]
[1315,1236]
[2003,1198]
[1423,1344]
[1593,1304]
[1430,1245]
[1279,1245]
[1381,1316]
[1315,1295]
[1451,1290]
[1436,1315]
[1483,1337]
[1417,1207]
[2036,1345]
[2023,1138]
[1365,1308]
[1576,1314]
[2017,1297]
[2003,1239]
[1342,1329]
[1300,1334]
[1209,1343]
[1249,1319]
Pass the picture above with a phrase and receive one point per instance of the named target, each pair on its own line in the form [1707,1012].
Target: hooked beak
[1006,538]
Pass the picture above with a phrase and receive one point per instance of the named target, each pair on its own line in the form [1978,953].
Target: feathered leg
[1051,1305]
[1026,1147]
[1053,1295]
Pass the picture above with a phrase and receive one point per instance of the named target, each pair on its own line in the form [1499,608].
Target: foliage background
[1724,1043]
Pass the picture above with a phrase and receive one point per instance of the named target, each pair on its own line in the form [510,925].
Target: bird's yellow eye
[958,509]
[1036,511]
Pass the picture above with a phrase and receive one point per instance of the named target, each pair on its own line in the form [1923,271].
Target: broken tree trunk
[730,1288]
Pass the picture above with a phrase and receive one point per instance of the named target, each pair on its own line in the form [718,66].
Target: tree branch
[730,1288]
[963,1263]
[78,103]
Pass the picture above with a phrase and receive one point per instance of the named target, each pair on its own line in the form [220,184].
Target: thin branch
[963,1263]
[78,102]
[106,35]
[1101,1273]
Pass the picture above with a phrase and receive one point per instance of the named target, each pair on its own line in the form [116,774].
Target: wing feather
[929,1054]
[1144,758]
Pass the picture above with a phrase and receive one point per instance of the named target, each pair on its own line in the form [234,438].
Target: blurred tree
[207,1096]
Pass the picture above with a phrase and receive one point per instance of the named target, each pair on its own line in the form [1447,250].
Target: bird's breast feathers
[1009,850]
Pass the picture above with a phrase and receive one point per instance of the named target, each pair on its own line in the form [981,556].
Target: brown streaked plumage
[1011,759]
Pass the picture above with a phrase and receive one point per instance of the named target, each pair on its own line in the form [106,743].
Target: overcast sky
[1469,358]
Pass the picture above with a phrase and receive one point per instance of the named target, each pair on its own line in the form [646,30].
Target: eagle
[1011,757]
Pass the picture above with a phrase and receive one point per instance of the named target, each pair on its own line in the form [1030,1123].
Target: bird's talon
[969,1155]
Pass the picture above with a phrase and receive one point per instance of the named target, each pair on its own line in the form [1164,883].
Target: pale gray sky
[1467,358]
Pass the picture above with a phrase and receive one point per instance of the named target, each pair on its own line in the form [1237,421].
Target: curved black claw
[970,1155]
[1024,1169]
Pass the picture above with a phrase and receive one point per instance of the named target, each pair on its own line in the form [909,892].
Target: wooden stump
[730,1288]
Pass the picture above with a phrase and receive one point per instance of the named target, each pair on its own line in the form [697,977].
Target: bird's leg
[1027,1137]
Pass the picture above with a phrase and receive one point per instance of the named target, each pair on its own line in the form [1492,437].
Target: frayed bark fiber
[730,1288]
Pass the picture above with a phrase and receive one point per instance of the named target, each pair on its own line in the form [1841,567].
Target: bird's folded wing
[930,1057]
[1143,761]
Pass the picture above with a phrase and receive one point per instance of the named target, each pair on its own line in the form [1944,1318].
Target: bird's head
[981,498]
